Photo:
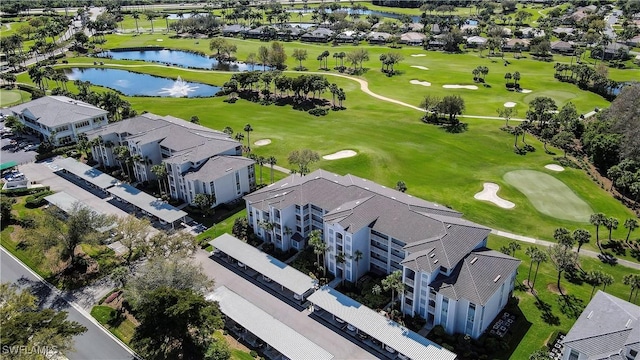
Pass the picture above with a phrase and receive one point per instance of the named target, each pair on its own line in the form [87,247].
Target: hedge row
[24,191]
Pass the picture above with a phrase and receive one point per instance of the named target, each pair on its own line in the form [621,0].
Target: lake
[176,58]
[135,84]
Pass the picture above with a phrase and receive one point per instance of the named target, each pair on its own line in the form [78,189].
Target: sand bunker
[262,142]
[340,155]
[509,104]
[469,87]
[418,55]
[418,82]
[554,167]
[526,91]
[490,193]
[159,39]
[420,67]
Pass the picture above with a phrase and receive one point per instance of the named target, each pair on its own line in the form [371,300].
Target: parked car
[376,341]
[351,327]
[241,264]
[316,308]
[338,320]
[362,336]
[266,278]
[403,357]
[389,349]
[297,296]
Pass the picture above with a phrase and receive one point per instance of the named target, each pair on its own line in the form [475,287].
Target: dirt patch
[235,344]
[554,289]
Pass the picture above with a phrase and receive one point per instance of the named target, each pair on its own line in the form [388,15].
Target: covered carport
[91,176]
[288,342]
[63,201]
[389,333]
[148,204]
[286,276]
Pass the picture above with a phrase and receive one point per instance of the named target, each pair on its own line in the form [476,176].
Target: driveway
[299,320]
[43,173]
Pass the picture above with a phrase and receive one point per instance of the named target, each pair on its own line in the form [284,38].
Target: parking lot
[19,148]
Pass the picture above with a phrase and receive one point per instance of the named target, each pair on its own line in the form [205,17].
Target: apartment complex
[197,159]
[451,278]
[59,118]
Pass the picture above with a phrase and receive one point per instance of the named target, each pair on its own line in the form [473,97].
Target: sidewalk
[589,253]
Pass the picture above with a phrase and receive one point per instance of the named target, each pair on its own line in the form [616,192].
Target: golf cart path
[364,85]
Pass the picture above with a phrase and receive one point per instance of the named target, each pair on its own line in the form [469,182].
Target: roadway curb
[77,307]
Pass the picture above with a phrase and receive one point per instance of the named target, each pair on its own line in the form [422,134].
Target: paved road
[96,344]
[298,320]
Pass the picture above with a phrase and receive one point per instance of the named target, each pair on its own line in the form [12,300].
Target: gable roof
[606,327]
[54,111]
[478,277]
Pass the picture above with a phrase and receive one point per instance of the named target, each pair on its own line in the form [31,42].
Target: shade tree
[563,259]
[303,158]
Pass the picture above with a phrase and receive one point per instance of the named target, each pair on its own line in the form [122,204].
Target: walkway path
[589,253]
[364,85]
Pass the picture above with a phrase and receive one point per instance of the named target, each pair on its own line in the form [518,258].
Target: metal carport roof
[265,264]
[287,341]
[86,172]
[148,203]
[378,326]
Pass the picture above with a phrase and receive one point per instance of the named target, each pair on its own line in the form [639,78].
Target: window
[444,313]
[82,124]
[574,355]
[238,189]
[471,314]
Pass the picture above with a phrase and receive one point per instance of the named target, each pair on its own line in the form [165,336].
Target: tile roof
[54,111]
[607,326]
[217,167]
[478,277]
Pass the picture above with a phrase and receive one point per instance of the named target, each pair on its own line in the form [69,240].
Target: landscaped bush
[24,191]
[319,112]
[37,200]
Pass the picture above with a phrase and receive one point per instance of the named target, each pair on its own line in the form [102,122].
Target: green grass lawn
[13,97]
[549,195]
[392,144]
[106,315]
[546,321]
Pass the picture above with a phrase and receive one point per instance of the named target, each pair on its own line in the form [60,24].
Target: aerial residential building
[450,278]
[59,118]
[197,159]
[608,328]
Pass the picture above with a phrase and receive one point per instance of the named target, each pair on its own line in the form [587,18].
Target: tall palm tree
[319,246]
[630,224]
[538,257]
[357,256]
[160,172]
[633,280]
[166,19]
[261,161]
[597,220]
[136,16]
[394,283]
[594,278]
[581,236]
[272,161]
[516,78]
[611,224]
[150,17]
[248,129]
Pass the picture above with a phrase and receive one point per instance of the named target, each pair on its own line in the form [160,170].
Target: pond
[414,18]
[175,58]
[135,84]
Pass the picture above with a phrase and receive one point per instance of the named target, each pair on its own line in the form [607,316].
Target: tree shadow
[574,276]
[571,305]
[547,313]
[616,246]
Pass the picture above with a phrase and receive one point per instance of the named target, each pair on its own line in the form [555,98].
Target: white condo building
[59,118]
[451,278]
[197,159]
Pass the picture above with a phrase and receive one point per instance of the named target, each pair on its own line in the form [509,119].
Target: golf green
[549,195]
[8,97]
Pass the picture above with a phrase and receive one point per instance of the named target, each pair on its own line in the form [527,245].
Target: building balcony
[383,240]
[409,282]
[396,258]
[378,251]
[408,295]
[377,262]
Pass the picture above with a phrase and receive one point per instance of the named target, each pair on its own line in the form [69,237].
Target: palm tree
[507,77]
[538,257]
[357,256]
[530,252]
[228,130]
[261,161]
[136,16]
[160,172]
[633,280]
[606,281]
[248,129]
[597,220]
[319,246]
[516,78]
[341,259]
[272,161]
[581,236]
[166,19]
[563,260]
[630,224]
[611,224]
[150,17]
[594,278]
[394,283]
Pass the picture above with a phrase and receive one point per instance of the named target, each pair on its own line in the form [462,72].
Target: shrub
[112,297]
[37,200]
[24,191]
[254,354]
[319,112]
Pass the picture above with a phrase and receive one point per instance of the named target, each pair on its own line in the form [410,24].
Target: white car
[266,278]
[297,296]
[316,308]
[340,321]
[389,349]
[241,264]
[403,357]
[351,327]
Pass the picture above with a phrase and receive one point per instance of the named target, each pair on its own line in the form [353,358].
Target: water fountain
[179,89]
